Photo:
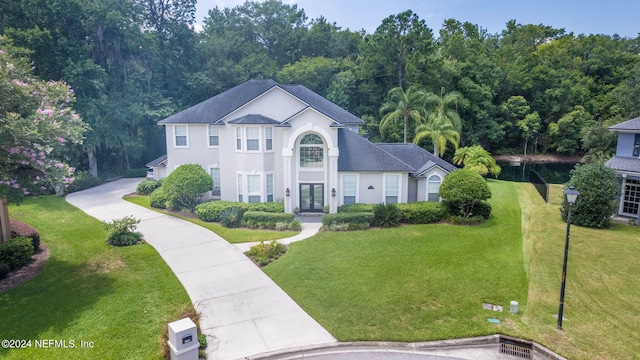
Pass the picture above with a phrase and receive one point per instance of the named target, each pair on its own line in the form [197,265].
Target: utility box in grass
[183,340]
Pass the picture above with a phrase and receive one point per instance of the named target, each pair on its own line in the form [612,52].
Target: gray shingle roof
[254,119]
[420,159]
[158,162]
[221,105]
[624,164]
[633,124]
[359,154]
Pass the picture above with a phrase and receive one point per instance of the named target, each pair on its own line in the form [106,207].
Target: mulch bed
[30,270]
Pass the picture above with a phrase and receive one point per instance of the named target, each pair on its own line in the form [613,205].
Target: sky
[578,16]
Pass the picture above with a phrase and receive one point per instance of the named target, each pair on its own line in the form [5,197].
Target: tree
[440,132]
[465,188]
[564,134]
[401,107]
[477,159]
[186,185]
[529,127]
[36,122]
[598,189]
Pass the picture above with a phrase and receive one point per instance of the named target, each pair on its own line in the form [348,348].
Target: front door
[311,197]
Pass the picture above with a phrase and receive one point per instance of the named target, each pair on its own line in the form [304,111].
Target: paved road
[243,311]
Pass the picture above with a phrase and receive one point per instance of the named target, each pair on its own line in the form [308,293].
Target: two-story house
[262,141]
[626,163]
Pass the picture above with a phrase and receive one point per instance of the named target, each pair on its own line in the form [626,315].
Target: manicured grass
[231,235]
[428,282]
[117,298]
[602,310]
[411,283]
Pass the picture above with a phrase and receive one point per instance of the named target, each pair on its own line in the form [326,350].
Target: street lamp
[572,195]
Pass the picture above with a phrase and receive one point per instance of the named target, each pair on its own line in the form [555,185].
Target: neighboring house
[262,142]
[626,163]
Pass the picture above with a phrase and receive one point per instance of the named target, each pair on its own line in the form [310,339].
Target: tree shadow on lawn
[46,306]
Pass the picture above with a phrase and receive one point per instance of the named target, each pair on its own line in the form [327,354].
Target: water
[552,173]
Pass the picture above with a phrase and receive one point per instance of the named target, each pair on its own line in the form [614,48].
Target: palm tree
[402,106]
[443,123]
[478,159]
[440,132]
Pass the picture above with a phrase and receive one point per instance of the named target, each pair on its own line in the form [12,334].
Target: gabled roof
[629,125]
[254,119]
[624,164]
[161,161]
[221,105]
[418,158]
[359,154]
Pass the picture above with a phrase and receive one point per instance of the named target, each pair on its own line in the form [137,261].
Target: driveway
[244,312]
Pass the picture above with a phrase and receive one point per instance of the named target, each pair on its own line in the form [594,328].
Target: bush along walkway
[309,228]
[243,312]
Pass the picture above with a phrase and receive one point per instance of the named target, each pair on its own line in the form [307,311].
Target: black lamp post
[572,195]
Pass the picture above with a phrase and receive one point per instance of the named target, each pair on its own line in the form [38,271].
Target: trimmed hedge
[210,211]
[423,212]
[18,228]
[16,252]
[134,173]
[359,207]
[146,187]
[268,217]
[353,220]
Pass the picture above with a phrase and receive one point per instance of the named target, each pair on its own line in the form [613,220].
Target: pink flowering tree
[36,121]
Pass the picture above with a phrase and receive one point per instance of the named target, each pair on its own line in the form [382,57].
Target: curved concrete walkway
[244,312]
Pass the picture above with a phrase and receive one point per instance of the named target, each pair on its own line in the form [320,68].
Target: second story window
[636,146]
[268,138]
[239,139]
[311,151]
[180,136]
[214,139]
[253,138]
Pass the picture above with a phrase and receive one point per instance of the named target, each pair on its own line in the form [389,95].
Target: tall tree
[439,132]
[402,106]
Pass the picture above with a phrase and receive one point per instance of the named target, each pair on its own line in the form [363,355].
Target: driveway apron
[243,311]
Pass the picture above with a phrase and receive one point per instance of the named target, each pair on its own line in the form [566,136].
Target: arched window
[311,151]
[433,186]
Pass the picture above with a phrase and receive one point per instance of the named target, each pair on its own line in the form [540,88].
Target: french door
[311,197]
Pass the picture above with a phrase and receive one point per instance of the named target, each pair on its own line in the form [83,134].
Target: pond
[552,173]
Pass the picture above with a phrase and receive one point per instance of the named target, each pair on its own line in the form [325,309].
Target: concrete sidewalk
[244,312]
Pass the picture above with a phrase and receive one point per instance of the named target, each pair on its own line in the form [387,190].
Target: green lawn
[231,235]
[427,282]
[411,283]
[117,298]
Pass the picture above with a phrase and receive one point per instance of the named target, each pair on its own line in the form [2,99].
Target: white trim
[266,186]
[428,182]
[186,135]
[216,166]
[264,131]
[238,131]
[258,139]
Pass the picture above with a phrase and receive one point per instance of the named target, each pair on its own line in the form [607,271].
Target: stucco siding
[275,103]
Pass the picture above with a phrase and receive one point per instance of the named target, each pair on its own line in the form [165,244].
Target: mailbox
[183,340]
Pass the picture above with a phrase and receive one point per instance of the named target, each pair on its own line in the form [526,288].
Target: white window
[433,186]
[239,139]
[180,136]
[391,189]
[214,140]
[631,197]
[215,175]
[253,138]
[269,187]
[253,188]
[240,188]
[268,138]
[349,189]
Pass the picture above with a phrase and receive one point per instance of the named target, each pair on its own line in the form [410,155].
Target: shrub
[16,252]
[232,218]
[267,220]
[4,270]
[482,208]
[82,181]
[186,185]
[158,199]
[386,215]
[122,232]
[356,208]
[472,220]
[264,254]
[355,221]
[423,212]
[18,228]
[465,188]
[210,211]
[146,187]
[598,189]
